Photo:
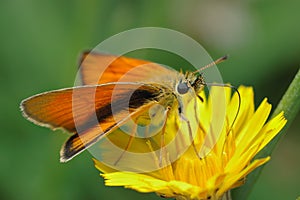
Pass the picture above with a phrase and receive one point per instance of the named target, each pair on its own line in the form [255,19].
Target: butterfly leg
[131,137]
[190,134]
[196,116]
[162,151]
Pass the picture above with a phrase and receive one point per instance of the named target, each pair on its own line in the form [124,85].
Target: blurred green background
[42,40]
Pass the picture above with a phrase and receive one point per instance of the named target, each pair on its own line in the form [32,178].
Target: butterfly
[114,90]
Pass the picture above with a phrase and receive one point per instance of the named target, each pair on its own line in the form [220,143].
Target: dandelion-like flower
[221,168]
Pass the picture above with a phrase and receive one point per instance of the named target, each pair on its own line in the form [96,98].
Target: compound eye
[182,88]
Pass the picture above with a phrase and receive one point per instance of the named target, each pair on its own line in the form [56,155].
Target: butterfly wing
[89,111]
[99,68]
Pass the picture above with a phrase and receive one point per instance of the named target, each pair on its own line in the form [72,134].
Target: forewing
[89,111]
[98,68]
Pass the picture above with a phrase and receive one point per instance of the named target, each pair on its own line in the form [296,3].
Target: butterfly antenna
[212,63]
[238,109]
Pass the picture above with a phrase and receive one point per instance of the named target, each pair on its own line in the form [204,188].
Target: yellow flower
[224,161]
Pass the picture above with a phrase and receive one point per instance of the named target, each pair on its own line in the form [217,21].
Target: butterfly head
[190,81]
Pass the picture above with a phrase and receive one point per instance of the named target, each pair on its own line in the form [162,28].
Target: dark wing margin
[109,117]
[81,141]
[90,112]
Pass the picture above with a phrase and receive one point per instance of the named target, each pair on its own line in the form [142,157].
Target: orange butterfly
[126,88]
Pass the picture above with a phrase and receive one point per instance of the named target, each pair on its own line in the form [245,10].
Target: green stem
[227,196]
[290,104]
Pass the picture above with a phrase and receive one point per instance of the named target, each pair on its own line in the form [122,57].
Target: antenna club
[225,57]
[221,59]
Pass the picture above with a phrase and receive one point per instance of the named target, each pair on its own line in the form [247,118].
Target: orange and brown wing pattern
[92,133]
[88,111]
[98,68]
